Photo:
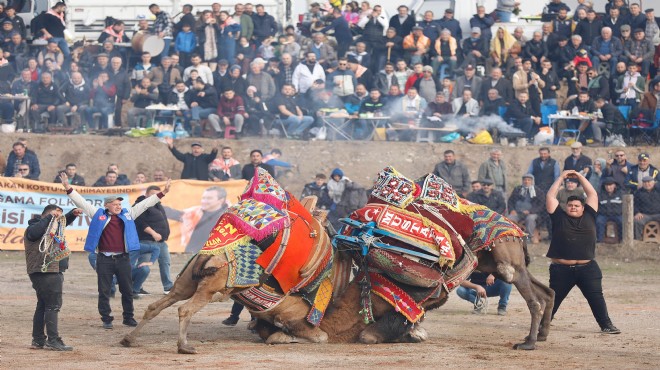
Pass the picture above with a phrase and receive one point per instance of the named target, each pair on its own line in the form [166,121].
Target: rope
[53,243]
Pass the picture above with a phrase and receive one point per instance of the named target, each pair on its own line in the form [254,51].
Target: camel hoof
[128,341]
[368,338]
[541,338]
[187,350]
[418,335]
[524,346]
[281,338]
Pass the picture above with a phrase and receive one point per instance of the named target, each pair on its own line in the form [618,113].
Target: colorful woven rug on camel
[266,209]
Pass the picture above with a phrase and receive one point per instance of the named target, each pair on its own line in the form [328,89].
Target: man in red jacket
[231,111]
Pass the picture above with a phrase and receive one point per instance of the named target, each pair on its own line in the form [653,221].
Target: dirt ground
[456,337]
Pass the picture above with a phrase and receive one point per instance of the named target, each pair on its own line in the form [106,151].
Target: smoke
[477,124]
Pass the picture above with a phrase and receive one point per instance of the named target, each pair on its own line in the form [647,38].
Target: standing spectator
[195,163]
[589,28]
[185,44]
[573,248]
[630,87]
[208,37]
[505,8]
[307,72]
[498,82]
[45,98]
[651,29]
[52,25]
[122,82]
[186,19]
[342,32]
[290,113]
[71,172]
[261,80]
[21,156]
[610,208]
[403,22]
[162,27]
[494,169]
[526,205]
[642,169]
[448,22]
[614,21]
[552,84]
[577,161]
[264,25]
[454,172]
[112,236]
[204,71]
[431,27]
[545,169]
[153,232]
[489,197]
[319,189]
[164,78]
[646,205]
[247,25]
[225,168]
[256,160]
[484,22]
[475,48]
[342,80]
[528,81]
[46,283]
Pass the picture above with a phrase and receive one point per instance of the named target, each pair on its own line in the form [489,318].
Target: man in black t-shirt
[572,249]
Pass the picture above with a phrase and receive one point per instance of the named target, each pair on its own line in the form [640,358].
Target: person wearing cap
[467,81]
[44,99]
[475,48]
[484,22]
[233,80]
[626,37]
[444,52]
[196,163]
[640,51]
[416,45]
[570,189]
[426,85]
[112,236]
[490,197]
[606,49]
[525,205]
[17,22]
[646,205]
[573,250]
[610,208]
[448,22]
[642,169]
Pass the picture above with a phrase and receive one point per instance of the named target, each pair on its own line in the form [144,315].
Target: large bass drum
[153,44]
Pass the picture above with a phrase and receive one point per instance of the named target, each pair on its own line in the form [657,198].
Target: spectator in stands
[651,98]
[606,49]
[525,205]
[307,72]
[110,179]
[553,8]
[570,189]
[438,108]
[585,107]
[552,84]
[204,71]
[651,29]
[231,112]
[196,162]
[500,46]
[426,85]
[264,25]
[454,172]
[545,169]
[319,189]
[142,69]
[140,178]
[640,51]
[475,48]
[262,81]
[45,97]
[491,106]
[122,82]
[408,111]
[20,155]
[630,87]
[598,86]
[225,168]
[6,106]
[614,21]
[498,82]
[646,205]
[489,197]
[103,93]
[342,32]
[535,50]
[403,22]
[163,77]
[617,168]
[522,115]
[50,52]
[385,79]
[185,43]
[71,171]
[143,95]
[484,22]
[162,27]
[526,80]
[256,160]
[187,18]
[342,80]
[588,28]
[247,25]
[290,113]
[636,19]
[642,169]
[75,94]
[494,169]
[610,199]
[465,106]
[202,100]
[19,25]
[467,81]
[416,45]
[17,52]
[577,161]
[53,26]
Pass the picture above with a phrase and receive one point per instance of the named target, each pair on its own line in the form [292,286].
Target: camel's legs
[536,307]
[200,299]
[548,295]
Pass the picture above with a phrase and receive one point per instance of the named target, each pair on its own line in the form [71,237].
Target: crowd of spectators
[239,67]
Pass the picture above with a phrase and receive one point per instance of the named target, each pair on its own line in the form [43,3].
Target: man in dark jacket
[454,172]
[589,28]
[122,82]
[618,168]
[610,208]
[489,197]
[577,161]
[646,205]
[526,204]
[75,94]
[522,116]
[545,169]
[318,188]
[402,22]
[195,163]
[642,169]
[450,23]
[143,95]
[484,22]
[45,97]
[341,32]
[202,100]
[264,25]
[74,178]
[256,160]
[20,155]
[153,232]
[47,282]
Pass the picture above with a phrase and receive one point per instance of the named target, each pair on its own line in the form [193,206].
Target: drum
[153,44]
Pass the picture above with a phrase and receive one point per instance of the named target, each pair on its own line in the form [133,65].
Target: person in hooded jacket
[610,208]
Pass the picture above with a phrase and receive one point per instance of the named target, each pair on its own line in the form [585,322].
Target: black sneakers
[130,322]
[107,325]
[57,345]
[610,329]
[37,344]
[230,321]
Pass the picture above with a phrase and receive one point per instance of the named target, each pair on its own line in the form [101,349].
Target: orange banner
[192,208]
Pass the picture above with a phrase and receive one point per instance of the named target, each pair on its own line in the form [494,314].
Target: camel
[205,277]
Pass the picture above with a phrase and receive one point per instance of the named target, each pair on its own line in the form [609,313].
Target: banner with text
[192,208]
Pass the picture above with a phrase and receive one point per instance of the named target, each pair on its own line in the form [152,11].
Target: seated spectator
[204,72]
[416,45]
[610,208]
[76,97]
[491,106]
[52,51]
[306,73]
[202,100]
[260,117]
[523,115]
[319,189]
[494,169]
[476,187]
[140,178]
[110,179]
[143,95]
[44,99]
[454,172]
[490,197]
[468,81]
[375,105]
[121,179]
[606,49]
[342,81]
[6,106]
[479,286]
[525,205]
[234,81]
[584,106]
[500,47]
[465,106]
[103,94]
[177,97]
[426,85]
[438,108]
[642,169]
[577,161]
[363,74]
[361,55]
[418,72]
[618,167]
[163,77]
[535,50]
[498,82]
[403,73]
[231,112]
[599,86]
[475,47]
[385,79]
[651,97]
[225,168]
[445,52]
[646,205]
[484,22]
[570,189]
[408,111]
[142,69]
[261,80]
[17,51]
[290,113]
[324,54]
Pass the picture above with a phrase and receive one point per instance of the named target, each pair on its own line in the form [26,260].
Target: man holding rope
[113,235]
[46,257]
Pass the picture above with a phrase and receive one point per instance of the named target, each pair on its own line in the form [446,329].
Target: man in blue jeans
[479,286]
[290,113]
[153,232]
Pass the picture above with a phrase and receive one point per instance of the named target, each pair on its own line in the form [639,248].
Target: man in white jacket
[306,73]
